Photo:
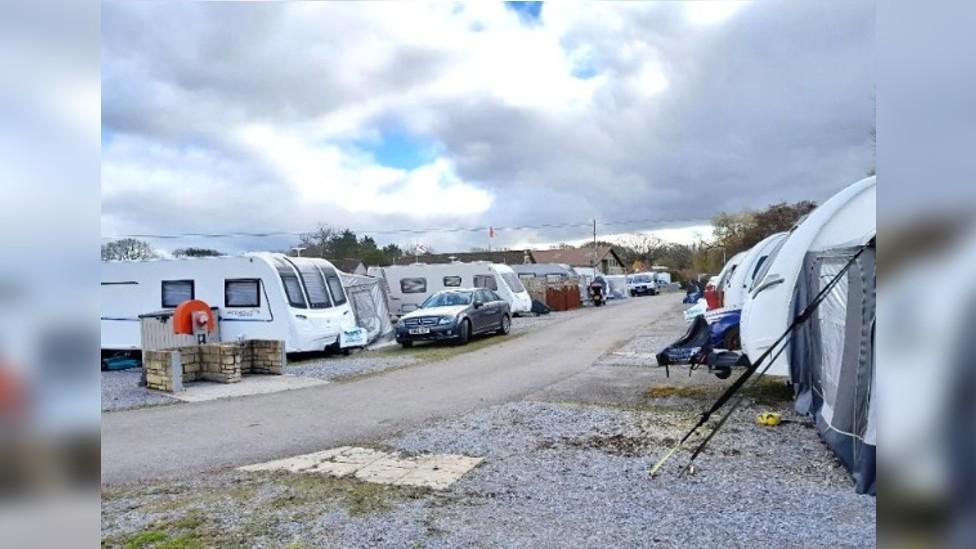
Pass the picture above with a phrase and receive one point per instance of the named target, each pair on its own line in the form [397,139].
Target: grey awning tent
[370,305]
[832,358]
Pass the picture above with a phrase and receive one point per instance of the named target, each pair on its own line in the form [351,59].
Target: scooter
[596,294]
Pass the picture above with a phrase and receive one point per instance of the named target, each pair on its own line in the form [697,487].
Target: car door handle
[769,282]
[303,317]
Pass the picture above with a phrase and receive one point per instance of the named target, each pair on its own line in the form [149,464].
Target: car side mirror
[478,304]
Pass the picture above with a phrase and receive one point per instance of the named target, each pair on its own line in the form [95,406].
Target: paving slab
[202,391]
[435,471]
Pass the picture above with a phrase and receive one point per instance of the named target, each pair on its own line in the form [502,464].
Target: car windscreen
[447,299]
[641,279]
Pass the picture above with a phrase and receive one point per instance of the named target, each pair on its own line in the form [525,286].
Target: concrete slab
[201,391]
[435,471]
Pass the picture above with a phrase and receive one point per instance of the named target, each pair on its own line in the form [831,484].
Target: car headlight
[445,320]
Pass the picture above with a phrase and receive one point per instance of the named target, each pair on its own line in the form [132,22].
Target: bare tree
[197,252]
[127,249]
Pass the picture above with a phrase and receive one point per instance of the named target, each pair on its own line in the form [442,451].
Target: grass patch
[146,539]
[437,351]
[769,392]
[356,497]
[696,392]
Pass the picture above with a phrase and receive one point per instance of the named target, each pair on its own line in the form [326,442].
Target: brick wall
[220,362]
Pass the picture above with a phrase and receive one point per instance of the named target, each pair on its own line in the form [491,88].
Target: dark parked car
[455,315]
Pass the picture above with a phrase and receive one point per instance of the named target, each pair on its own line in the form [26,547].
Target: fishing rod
[751,369]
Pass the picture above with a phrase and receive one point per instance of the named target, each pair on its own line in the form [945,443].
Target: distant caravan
[410,285]
[298,300]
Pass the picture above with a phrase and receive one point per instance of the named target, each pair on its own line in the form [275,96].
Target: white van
[410,285]
[642,284]
[298,300]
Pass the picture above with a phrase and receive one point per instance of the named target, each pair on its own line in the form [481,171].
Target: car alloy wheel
[505,325]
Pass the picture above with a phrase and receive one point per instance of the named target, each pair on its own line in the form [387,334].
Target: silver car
[455,314]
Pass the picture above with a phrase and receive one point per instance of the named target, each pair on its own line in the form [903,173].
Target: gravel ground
[121,391]
[334,368]
[557,474]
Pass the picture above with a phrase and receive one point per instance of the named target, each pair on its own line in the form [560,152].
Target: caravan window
[513,282]
[244,292]
[452,281]
[485,281]
[413,285]
[335,285]
[764,269]
[293,288]
[314,282]
[176,292]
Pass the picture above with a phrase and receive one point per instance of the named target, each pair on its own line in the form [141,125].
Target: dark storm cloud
[775,103]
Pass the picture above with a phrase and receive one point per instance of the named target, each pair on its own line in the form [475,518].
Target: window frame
[298,264]
[515,277]
[329,274]
[239,280]
[460,281]
[284,265]
[491,277]
[424,286]
[162,291]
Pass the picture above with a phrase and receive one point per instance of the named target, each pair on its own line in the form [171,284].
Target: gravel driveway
[557,473]
[121,390]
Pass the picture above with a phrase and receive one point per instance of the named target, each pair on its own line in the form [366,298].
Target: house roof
[543,269]
[508,257]
[575,257]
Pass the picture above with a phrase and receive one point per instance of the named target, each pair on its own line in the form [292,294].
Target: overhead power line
[267,234]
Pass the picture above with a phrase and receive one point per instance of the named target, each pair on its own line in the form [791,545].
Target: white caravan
[300,301]
[725,275]
[737,285]
[410,285]
[847,218]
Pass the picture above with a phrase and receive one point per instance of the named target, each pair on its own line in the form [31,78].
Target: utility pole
[593,262]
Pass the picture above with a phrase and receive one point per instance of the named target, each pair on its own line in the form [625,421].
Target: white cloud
[324,176]
[710,12]
[691,108]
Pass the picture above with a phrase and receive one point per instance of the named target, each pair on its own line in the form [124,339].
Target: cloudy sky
[251,117]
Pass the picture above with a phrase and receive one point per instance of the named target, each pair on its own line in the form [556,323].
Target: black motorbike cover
[687,346]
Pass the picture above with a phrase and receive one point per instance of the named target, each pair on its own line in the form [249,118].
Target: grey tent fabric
[832,358]
[368,298]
